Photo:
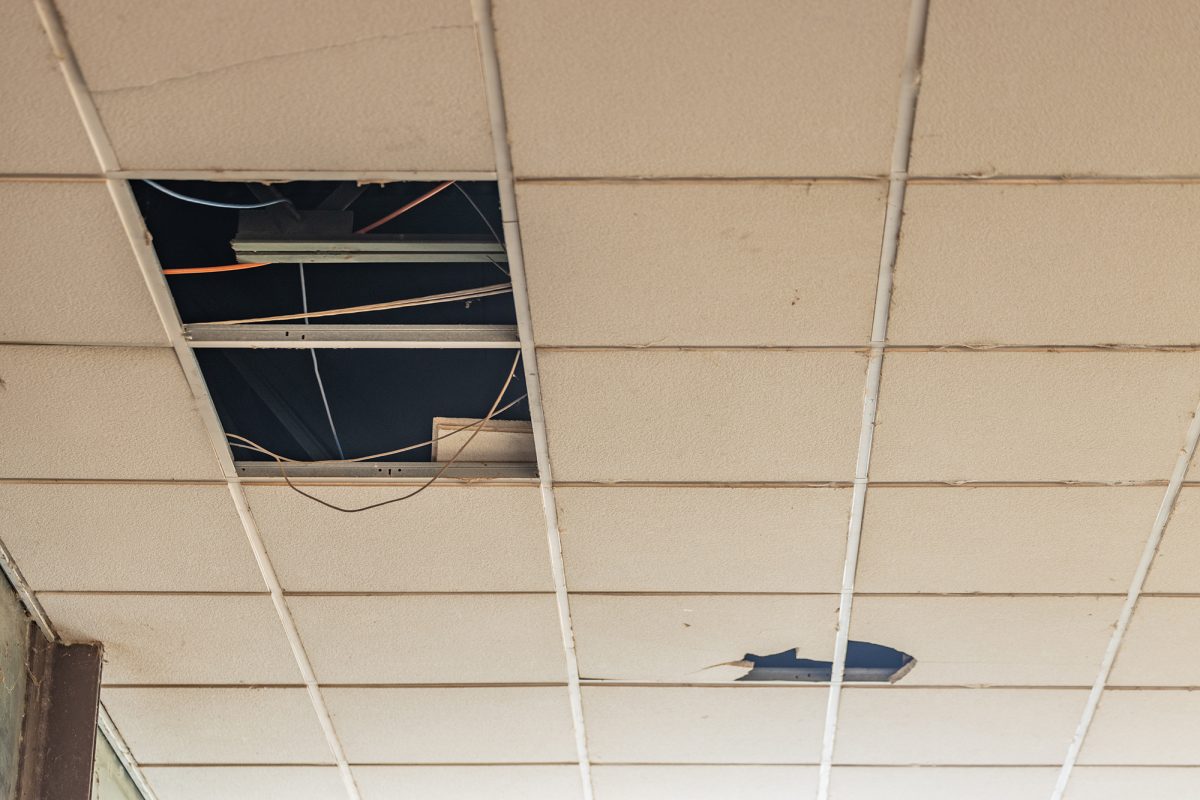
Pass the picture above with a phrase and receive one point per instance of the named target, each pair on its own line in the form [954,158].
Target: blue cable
[212,203]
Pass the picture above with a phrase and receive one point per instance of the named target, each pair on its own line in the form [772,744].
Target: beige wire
[427,300]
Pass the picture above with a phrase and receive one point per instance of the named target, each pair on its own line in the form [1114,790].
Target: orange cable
[224,268]
[406,207]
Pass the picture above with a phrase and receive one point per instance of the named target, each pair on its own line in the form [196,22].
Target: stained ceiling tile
[178,639]
[449,538]
[1067,264]
[99,412]
[702,415]
[740,724]
[1157,647]
[1033,88]
[1121,783]
[123,537]
[894,725]
[718,90]
[1144,727]
[432,638]
[669,264]
[927,783]
[245,783]
[471,782]
[1033,416]
[703,539]
[702,781]
[676,638]
[1176,567]
[491,725]
[1012,539]
[193,725]
[1013,641]
[225,85]
[70,276]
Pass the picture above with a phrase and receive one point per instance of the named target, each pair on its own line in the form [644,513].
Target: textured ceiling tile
[99,412]
[935,783]
[702,782]
[701,89]
[1072,264]
[451,538]
[120,537]
[1039,416]
[432,638]
[1121,783]
[520,782]
[495,724]
[714,724]
[701,263]
[245,783]
[702,415]
[1158,646]
[893,725]
[1044,539]
[229,85]
[1029,641]
[218,725]
[677,637]
[179,639]
[69,274]
[703,539]
[1075,86]
[1141,727]
[1176,567]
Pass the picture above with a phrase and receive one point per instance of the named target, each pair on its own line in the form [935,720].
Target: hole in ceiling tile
[865,663]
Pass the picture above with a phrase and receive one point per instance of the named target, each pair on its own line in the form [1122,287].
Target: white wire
[213,203]
[317,370]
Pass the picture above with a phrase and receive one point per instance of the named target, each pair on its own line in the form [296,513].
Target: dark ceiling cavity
[865,663]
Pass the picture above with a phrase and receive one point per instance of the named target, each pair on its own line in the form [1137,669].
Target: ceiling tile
[677,637]
[1032,88]
[702,415]
[1121,783]
[893,725]
[99,412]
[702,782]
[1144,727]
[225,85]
[494,724]
[1156,649]
[668,264]
[740,724]
[217,725]
[933,783]
[589,94]
[432,638]
[1001,641]
[245,783]
[39,125]
[52,230]
[1067,264]
[1099,416]
[1036,539]
[180,639]
[519,782]
[449,538]
[703,539]
[1176,567]
[127,537]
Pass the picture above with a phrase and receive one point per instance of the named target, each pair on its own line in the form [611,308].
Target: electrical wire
[482,216]
[405,207]
[222,268]
[213,203]
[317,369]
[426,300]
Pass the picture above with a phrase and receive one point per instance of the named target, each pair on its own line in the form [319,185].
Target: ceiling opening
[865,663]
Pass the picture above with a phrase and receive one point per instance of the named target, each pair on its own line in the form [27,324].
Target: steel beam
[394,337]
[420,470]
[369,249]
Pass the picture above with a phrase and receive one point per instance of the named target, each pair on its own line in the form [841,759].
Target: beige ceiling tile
[703,539]
[178,639]
[432,638]
[70,276]
[702,415]
[1002,641]
[1145,727]
[217,725]
[495,724]
[226,85]
[1038,88]
[471,782]
[741,724]
[1176,567]
[677,637]
[1121,783]
[669,264]
[1033,416]
[588,93]
[893,725]
[99,412]
[1068,264]
[1037,539]
[702,782]
[934,783]
[127,537]
[449,538]
[245,783]
[1157,647]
